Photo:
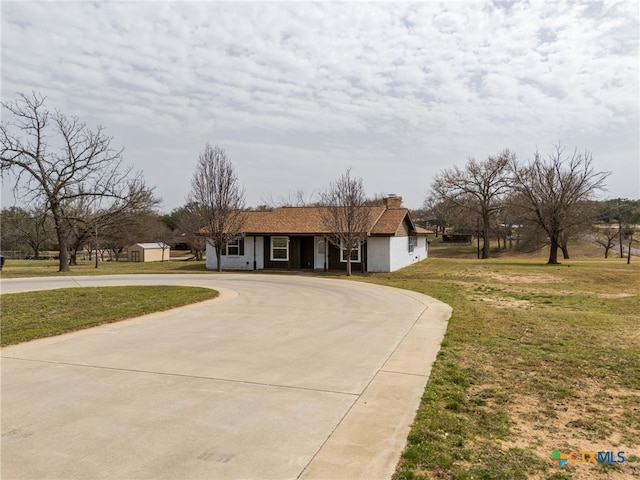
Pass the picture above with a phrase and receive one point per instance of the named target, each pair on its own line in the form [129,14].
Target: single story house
[296,238]
[148,252]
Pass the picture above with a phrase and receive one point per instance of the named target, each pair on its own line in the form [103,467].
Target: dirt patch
[614,295]
[593,422]
[504,303]
[520,278]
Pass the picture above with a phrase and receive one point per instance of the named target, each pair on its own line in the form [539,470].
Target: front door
[306,252]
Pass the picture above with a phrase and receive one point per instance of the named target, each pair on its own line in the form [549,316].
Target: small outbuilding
[148,252]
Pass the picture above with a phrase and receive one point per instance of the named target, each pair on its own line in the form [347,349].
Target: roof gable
[390,221]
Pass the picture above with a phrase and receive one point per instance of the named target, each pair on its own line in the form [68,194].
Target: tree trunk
[629,252]
[63,245]
[553,251]
[63,264]
[349,265]
[606,251]
[565,251]
[219,257]
[620,232]
[485,238]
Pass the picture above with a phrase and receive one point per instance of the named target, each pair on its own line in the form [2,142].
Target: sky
[296,92]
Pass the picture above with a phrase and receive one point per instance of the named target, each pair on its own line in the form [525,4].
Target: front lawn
[30,315]
[535,358]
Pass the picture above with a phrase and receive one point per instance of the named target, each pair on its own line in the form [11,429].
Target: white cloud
[299,91]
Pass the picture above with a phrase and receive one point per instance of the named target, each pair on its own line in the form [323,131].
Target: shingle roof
[296,220]
[389,222]
[308,221]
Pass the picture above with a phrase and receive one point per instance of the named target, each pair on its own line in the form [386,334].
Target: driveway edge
[378,424]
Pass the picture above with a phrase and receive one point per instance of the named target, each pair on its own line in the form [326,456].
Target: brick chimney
[392,201]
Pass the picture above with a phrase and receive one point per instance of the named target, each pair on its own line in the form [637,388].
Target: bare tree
[441,214]
[95,219]
[584,214]
[219,198]
[346,213]
[126,228]
[553,191]
[188,225]
[606,236]
[56,159]
[376,199]
[628,221]
[630,234]
[297,198]
[32,228]
[162,235]
[480,188]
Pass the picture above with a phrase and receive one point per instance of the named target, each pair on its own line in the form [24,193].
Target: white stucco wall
[239,262]
[386,254]
[399,252]
[423,245]
[378,254]
[210,254]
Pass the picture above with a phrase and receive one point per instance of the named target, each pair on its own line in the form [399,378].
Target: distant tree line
[548,201]
[30,232]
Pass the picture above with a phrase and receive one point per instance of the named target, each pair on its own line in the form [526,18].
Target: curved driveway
[280,377]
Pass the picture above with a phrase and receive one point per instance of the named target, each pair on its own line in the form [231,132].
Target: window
[355,254]
[235,248]
[280,249]
[412,243]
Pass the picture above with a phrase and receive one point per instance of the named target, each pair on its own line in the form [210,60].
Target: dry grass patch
[490,276]
[596,420]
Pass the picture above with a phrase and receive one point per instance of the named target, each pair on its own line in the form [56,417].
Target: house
[296,238]
[148,252]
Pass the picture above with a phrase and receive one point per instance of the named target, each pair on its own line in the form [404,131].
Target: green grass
[30,315]
[48,268]
[535,357]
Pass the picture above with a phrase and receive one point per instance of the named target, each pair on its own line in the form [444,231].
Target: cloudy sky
[298,91]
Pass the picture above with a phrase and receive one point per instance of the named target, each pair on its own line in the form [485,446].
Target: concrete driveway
[281,377]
